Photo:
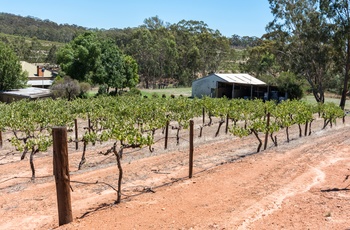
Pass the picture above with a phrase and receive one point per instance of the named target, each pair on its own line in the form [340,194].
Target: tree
[21,48]
[288,84]
[81,57]
[36,49]
[110,70]
[243,42]
[52,56]
[337,12]
[97,60]
[65,88]
[11,74]
[303,42]
[130,69]
[200,49]
[261,60]
[141,48]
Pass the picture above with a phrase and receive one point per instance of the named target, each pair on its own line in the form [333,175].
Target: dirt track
[297,185]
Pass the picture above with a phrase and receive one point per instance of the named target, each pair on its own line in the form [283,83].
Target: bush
[287,83]
[65,88]
[134,92]
[102,90]
[155,95]
[84,88]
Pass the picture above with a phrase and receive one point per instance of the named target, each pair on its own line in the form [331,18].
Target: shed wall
[205,86]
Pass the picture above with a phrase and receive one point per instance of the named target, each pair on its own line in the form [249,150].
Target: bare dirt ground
[302,184]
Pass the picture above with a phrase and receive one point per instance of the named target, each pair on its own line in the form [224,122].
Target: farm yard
[297,185]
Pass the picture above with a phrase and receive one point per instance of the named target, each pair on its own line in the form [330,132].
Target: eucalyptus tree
[110,69]
[338,12]
[81,57]
[97,60]
[11,74]
[261,60]
[201,49]
[35,51]
[141,47]
[188,52]
[52,55]
[304,41]
[130,70]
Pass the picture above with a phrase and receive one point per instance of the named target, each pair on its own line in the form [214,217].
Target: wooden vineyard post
[62,178]
[166,135]
[0,139]
[267,130]
[191,150]
[76,134]
[89,124]
[227,120]
[203,115]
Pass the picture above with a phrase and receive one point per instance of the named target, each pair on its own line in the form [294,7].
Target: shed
[30,93]
[230,85]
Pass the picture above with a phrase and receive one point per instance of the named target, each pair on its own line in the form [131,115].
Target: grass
[186,92]
[328,98]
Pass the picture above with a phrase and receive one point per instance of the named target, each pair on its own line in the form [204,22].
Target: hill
[35,27]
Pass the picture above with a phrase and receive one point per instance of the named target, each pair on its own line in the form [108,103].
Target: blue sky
[242,17]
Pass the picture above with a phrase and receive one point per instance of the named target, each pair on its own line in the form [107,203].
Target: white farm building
[229,85]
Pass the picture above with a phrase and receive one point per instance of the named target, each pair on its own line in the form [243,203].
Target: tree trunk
[31,161]
[260,142]
[83,160]
[118,157]
[346,77]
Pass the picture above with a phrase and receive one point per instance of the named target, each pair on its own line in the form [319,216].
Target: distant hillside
[41,29]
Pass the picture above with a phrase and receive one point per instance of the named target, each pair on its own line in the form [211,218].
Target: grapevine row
[130,122]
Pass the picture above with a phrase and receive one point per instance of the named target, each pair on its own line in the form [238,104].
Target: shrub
[102,90]
[155,95]
[134,92]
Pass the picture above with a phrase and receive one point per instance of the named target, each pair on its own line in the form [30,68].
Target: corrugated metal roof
[30,92]
[240,78]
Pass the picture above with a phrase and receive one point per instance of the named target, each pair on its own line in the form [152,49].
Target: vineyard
[128,127]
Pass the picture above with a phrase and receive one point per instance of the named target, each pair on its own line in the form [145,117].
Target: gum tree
[11,75]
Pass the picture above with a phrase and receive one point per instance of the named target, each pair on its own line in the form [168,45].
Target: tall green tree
[35,51]
[11,74]
[141,47]
[52,55]
[81,57]
[130,69]
[304,38]
[98,60]
[110,71]
[201,50]
[261,61]
[338,12]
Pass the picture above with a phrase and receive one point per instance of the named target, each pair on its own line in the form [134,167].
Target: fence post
[89,124]
[62,178]
[267,130]
[227,120]
[76,134]
[166,135]
[203,111]
[191,150]
[0,138]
